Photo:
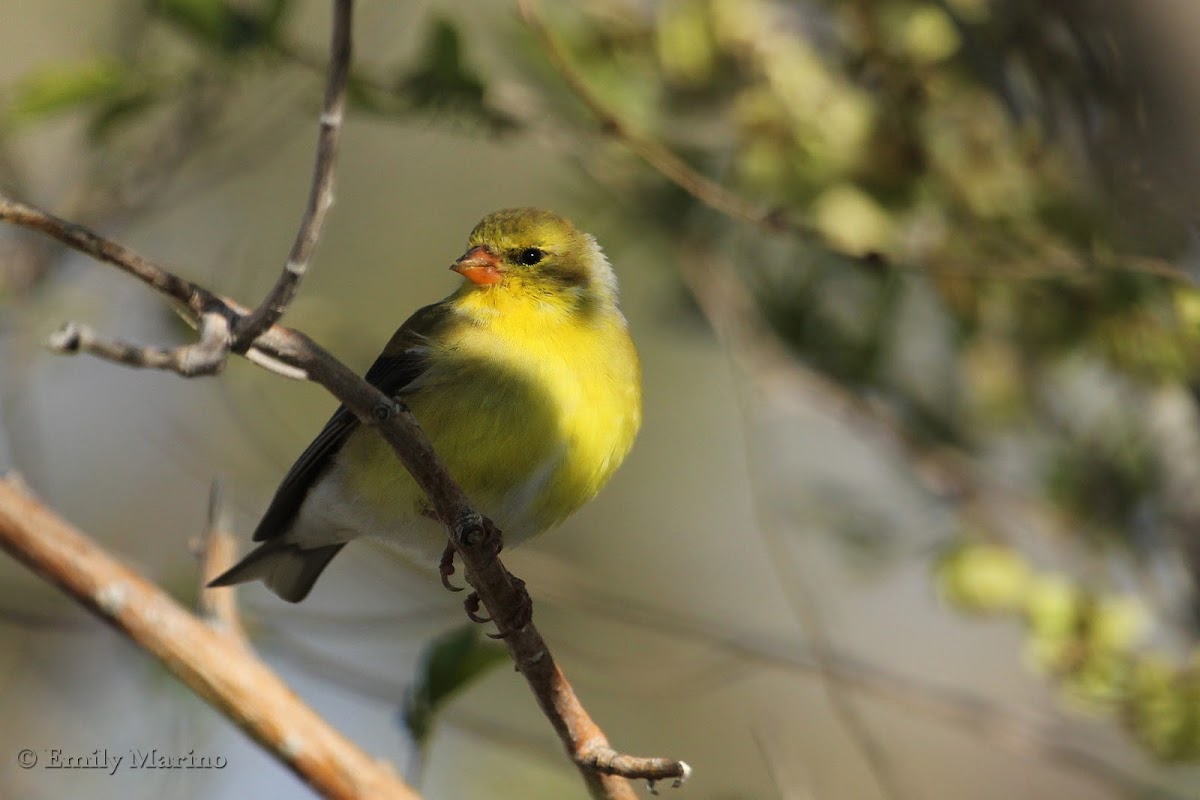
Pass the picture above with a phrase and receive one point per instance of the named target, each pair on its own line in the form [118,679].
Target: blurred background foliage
[964,226]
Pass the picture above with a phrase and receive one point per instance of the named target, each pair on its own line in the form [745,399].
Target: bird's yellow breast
[531,406]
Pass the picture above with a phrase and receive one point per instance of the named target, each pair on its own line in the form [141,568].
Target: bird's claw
[523,614]
[471,605]
[446,568]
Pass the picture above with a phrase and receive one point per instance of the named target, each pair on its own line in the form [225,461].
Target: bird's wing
[403,359]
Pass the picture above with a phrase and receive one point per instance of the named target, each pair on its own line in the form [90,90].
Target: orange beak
[479,266]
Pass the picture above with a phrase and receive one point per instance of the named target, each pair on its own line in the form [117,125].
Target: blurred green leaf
[442,80]
[441,76]
[112,113]
[62,88]
[222,27]
[982,577]
[836,317]
[685,42]
[450,663]
[1106,482]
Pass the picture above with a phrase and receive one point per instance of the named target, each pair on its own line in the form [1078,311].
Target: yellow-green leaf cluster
[1092,645]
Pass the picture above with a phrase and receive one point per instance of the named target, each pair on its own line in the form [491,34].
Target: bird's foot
[491,541]
[488,539]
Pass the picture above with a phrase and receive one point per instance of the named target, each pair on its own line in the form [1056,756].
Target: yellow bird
[526,382]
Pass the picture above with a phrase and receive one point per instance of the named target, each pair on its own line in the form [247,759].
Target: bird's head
[537,252]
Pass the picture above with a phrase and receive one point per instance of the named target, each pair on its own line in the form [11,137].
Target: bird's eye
[530,256]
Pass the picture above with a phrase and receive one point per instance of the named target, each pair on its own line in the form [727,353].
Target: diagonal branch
[214,665]
[192,297]
[661,158]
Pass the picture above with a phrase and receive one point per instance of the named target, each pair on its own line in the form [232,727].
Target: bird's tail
[287,569]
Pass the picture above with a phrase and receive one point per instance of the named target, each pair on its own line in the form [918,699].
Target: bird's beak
[480,266]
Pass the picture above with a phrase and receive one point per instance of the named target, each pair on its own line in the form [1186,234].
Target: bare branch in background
[655,154]
[217,552]
[214,665]
[947,472]
[806,608]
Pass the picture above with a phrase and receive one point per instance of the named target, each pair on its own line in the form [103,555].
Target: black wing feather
[402,361]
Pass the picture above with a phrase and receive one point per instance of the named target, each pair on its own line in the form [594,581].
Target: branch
[320,195]
[193,298]
[947,472]
[228,676]
[205,357]
[659,157]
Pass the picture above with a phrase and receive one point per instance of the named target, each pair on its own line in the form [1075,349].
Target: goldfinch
[526,381]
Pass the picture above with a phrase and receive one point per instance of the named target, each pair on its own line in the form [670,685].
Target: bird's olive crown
[542,252]
[528,237]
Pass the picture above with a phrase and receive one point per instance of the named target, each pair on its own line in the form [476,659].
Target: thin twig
[607,761]
[658,156]
[716,306]
[320,195]
[946,471]
[205,357]
[804,605]
[219,670]
[217,552]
